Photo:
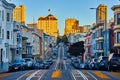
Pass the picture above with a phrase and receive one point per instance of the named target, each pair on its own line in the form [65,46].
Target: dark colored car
[39,65]
[17,65]
[92,63]
[50,62]
[29,63]
[114,62]
[46,65]
[102,63]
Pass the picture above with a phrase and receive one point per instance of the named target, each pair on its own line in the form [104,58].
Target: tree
[65,39]
[77,49]
[58,39]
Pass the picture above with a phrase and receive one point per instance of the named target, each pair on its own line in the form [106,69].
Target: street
[68,72]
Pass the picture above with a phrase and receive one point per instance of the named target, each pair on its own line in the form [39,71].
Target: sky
[63,9]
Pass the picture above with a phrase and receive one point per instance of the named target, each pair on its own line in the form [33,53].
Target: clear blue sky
[64,9]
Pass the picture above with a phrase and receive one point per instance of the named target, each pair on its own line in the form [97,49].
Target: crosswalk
[75,75]
[32,75]
[94,75]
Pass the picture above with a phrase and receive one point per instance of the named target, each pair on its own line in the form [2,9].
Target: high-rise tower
[19,14]
[48,24]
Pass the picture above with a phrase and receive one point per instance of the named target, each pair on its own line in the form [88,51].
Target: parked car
[92,63]
[77,65]
[65,58]
[102,63]
[114,62]
[82,65]
[18,64]
[50,62]
[29,63]
[46,65]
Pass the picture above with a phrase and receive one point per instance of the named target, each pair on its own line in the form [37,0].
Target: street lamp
[105,25]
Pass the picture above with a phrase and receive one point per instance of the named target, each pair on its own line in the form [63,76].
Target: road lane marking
[92,75]
[23,75]
[73,76]
[101,75]
[85,73]
[42,75]
[28,78]
[84,77]
[115,74]
[65,65]
[57,74]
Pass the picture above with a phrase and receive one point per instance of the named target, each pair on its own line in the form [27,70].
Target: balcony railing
[117,45]
[116,27]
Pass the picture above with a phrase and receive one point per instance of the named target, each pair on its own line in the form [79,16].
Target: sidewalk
[2,71]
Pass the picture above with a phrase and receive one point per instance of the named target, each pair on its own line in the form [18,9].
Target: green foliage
[65,39]
[58,40]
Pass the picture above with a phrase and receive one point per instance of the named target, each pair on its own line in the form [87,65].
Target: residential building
[73,38]
[32,46]
[48,24]
[88,46]
[17,41]
[32,25]
[94,42]
[116,9]
[101,31]
[19,14]
[6,33]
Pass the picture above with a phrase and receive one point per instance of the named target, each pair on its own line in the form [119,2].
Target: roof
[115,7]
[49,17]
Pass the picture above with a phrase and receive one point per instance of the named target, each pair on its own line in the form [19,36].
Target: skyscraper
[48,24]
[19,14]
[102,13]
[72,26]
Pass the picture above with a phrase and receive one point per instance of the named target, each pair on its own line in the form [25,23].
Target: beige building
[32,25]
[102,13]
[72,26]
[48,24]
[19,14]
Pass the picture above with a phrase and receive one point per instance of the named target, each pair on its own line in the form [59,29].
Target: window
[0,31]
[8,34]
[118,37]
[2,15]
[8,16]
[118,18]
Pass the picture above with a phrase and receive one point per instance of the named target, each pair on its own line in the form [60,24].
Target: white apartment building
[6,33]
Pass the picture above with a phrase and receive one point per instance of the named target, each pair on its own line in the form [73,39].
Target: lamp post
[105,29]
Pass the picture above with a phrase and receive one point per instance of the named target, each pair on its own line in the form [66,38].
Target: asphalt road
[68,72]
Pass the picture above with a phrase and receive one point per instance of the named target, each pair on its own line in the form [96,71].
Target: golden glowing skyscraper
[48,24]
[71,25]
[102,13]
[19,14]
